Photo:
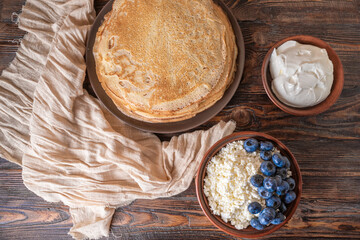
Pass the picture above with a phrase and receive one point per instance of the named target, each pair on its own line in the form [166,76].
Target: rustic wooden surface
[326,146]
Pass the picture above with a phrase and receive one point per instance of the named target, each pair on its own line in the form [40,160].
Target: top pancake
[165,60]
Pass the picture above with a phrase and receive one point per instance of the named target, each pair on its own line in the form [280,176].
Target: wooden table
[327,146]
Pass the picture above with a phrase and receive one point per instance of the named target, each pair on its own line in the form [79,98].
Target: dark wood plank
[326,210]
[10,34]
[326,146]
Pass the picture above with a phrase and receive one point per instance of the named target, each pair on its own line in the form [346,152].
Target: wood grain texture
[326,146]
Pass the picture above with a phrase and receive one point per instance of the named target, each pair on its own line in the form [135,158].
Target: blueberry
[263,193]
[291,183]
[266,146]
[273,202]
[257,180]
[265,155]
[267,168]
[289,197]
[279,218]
[266,215]
[278,180]
[282,207]
[270,184]
[278,160]
[287,162]
[254,207]
[251,145]
[256,224]
[283,188]
[282,172]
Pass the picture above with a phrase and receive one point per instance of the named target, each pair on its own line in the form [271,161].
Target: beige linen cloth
[71,149]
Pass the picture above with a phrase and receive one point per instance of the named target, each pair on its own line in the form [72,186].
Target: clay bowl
[336,87]
[249,232]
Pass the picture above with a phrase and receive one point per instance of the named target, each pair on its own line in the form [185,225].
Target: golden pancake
[165,60]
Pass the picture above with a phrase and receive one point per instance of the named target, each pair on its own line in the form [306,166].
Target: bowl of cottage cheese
[225,190]
[302,75]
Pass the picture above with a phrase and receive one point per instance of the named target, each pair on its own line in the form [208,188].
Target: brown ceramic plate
[249,232]
[172,127]
[336,87]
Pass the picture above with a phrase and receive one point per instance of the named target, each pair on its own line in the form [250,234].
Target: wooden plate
[335,89]
[172,127]
[227,227]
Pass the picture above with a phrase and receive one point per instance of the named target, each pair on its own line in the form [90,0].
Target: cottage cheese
[227,184]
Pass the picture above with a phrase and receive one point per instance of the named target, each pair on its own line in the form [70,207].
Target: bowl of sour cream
[302,75]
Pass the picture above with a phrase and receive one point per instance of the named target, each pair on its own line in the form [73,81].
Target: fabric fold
[91,222]
[71,148]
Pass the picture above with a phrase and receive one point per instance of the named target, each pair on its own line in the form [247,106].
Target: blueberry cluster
[273,185]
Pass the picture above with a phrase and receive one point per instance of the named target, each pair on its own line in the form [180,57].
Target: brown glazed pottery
[249,232]
[336,87]
[172,127]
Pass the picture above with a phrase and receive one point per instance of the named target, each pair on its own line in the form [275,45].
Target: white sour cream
[302,74]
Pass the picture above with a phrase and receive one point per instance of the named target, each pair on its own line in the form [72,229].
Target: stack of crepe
[165,60]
